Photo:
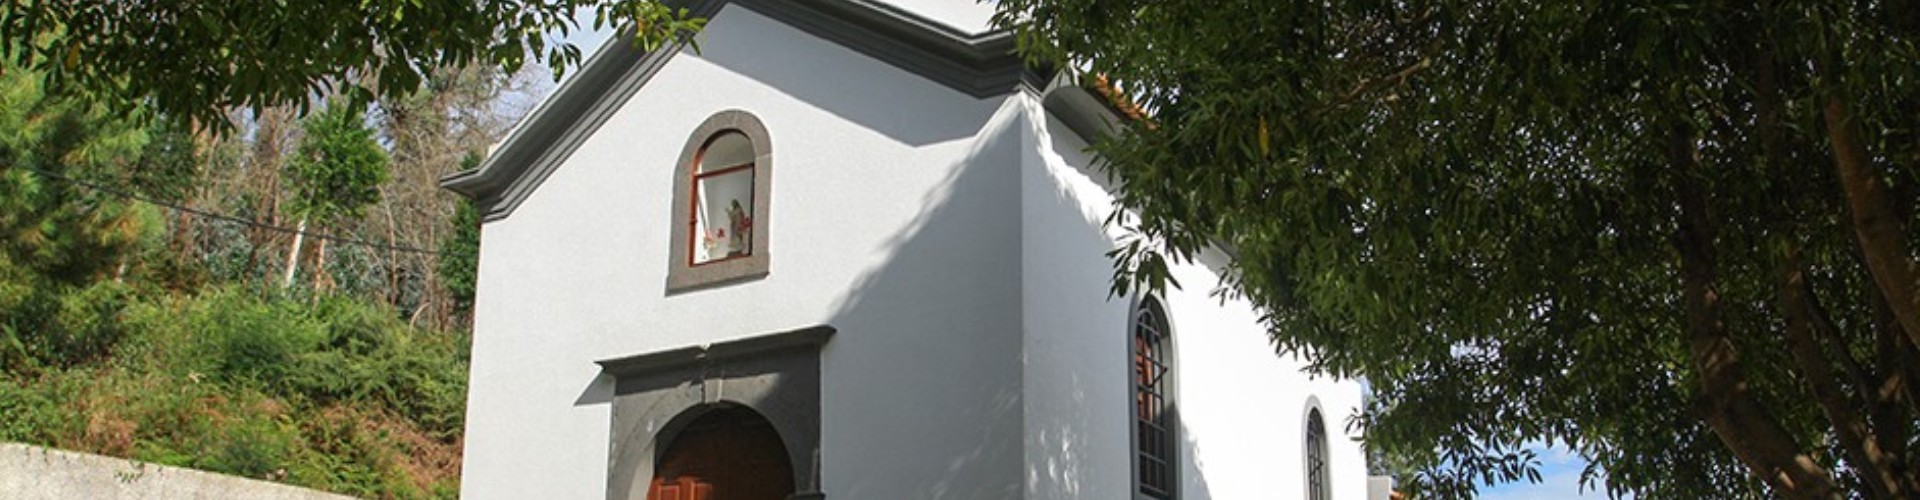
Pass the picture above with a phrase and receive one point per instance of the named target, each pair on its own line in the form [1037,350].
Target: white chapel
[853,249]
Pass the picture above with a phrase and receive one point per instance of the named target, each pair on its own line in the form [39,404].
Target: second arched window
[1154,438]
[1317,475]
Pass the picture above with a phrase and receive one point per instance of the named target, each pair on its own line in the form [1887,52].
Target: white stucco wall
[921,382]
[1077,372]
[1242,408]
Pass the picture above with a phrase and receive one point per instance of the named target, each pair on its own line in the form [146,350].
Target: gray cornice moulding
[980,65]
[812,336]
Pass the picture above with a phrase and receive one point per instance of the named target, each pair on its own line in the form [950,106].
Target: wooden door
[727,454]
[682,488]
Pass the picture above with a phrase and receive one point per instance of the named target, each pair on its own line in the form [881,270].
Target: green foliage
[251,447]
[113,341]
[85,326]
[191,58]
[367,355]
[58,238]
[336,394]
[168,165]
[338,168]
[460,251]
[1486,210]
[53,228]
[243,340]
[31,413]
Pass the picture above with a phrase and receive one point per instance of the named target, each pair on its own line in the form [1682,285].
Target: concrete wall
[32,473]
[1242,408]
[922,393]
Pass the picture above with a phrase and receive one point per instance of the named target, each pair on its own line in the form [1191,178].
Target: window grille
[1154,445]
[1317,477]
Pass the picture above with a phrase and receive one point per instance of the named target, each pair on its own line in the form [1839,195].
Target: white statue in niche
[742,240]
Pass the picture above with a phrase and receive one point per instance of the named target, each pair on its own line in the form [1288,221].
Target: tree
[61,236]
[459,265]
[196,59]
[335,174]
[51,225]
[430,134]
[1674,236]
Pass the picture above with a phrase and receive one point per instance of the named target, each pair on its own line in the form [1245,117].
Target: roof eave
[981,65]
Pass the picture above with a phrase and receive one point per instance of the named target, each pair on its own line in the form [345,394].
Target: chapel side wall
[1076,339]
[894,219]
[1242,408]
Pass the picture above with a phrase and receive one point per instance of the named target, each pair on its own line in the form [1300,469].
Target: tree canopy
[1673,236]
[135,316]
[196,59]
[337,169]
[52,231]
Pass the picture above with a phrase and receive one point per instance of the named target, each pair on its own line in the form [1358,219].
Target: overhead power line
[224,217]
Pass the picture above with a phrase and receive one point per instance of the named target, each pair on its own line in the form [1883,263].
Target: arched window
[720,202]
[1317,477]
[1154,443]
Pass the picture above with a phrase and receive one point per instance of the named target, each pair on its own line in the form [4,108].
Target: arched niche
[721,451]
[658,394]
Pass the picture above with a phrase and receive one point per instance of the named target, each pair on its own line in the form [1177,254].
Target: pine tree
[335,175]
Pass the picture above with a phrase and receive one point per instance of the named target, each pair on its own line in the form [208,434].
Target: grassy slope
[326,392]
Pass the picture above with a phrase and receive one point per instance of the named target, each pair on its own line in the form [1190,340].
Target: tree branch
[1823,326]
[1726,401]
[1396,78]
[1877,226]
[1899,360]
[1877,469]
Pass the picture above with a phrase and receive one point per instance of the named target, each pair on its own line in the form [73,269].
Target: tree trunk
[392,266]
[293,256]
[1876,224]
[321,280]
[1726,401]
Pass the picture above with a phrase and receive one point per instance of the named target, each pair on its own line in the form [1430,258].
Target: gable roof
[980,65]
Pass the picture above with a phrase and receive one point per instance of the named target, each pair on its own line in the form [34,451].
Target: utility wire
[227,218]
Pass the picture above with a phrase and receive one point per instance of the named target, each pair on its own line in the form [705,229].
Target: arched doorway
[728,453]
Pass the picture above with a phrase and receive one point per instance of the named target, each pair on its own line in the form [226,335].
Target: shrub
[256,448]
[87,323]
[46,325]
[245,339]
[27,413]
[329,392]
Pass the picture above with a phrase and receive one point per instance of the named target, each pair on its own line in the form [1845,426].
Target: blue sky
[1559,478]
[587,38]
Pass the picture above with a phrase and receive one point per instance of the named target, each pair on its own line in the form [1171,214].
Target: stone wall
[32,473]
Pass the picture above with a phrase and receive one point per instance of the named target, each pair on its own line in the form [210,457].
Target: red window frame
[693,206]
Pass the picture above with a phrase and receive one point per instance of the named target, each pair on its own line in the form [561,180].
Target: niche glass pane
[723,200]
